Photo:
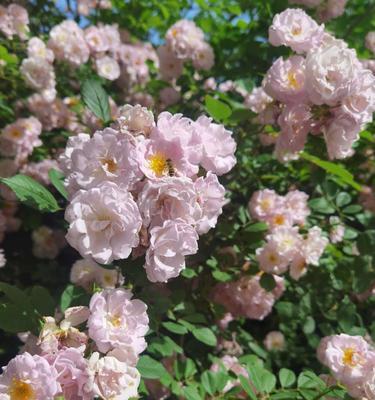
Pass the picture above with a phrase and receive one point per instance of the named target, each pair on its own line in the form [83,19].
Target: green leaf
[70,296]
[217,109]
[191,393]
[205,335]
[150,368]
[321,205]
[14,319]
[221,276]
[42,301]
[309,326]
[247,387]
[343,199]
[287,377]
[258,227]
[267,281]
[32,192]
[309,380]
[339,171]
[366,242]
[175,328]
[96,99]
[57,180]
[214,382]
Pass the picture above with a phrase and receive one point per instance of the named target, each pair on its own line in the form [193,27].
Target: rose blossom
[218,146]
[19,138]
[331,73]
[285,80]
[247,298]
[340,134]
[294,28]
[179,129]
[116,321]
[169,244]
[169,199]
[136,119]
[68,43]
[257,100]
[170,67]
[296,203]
[270,260]
[314,245]
[286,240]
[29,377]
[87,272]
[183,38]
[274,340]
[47,242]
[211,197]
[331,9]
[104,157]
[107,68]
[71,367]
[264,203]
[348,357]
[203,57]
[104,223]
[169,96]
[36,48]
[110,378]
[96,39]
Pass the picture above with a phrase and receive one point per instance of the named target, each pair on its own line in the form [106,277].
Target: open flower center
[272,258]
[109,164]
[350,357]
[20,390]
[115,320]
[265,204]
[293,83]
[279,219]
[158,164]
[296,30]
[16,133]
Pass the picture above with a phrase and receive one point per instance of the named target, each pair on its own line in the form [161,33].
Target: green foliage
[32,193]
[96,99]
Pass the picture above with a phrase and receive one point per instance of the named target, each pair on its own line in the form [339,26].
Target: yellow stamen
[115,320]
[279,219]
[293,80]
[158,164]
[349,357]
[296,30]
[20,390]
[109,164]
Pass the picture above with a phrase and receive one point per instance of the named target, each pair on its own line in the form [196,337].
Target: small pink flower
[218,146]
[211,197]
[169,244]
[170,67]
[264,203]
[285,80]
[31,375]
[348,357]
[370,41]
[169,199]
[104,223]
[274,340]
[110,378]
[107,67]
[183,38]
[257,100]
[36,48]
[169,96]
[39,170]
[331,9]
[203,57]
[136,119]
[117,321]
[270,260]
[314,245]
[340,134]
[96,39]
[296,203]
[71,367]
[287,241]
[294,28]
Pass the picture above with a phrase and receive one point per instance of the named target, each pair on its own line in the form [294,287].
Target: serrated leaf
[57,180]
[32,192]
[96,99]
[205,335]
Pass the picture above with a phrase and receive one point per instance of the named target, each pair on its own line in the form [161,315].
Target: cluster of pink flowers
[84,7]
[60,362]
[184,42]
[351,360]
[326,9]
[134,188]
[285,247]
[14,21]
[324,89]
[246,297]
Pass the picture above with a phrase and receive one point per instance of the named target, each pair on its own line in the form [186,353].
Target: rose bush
[187,200]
